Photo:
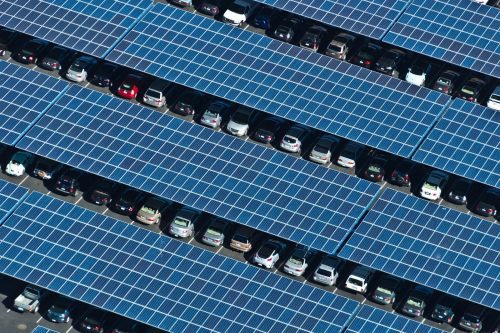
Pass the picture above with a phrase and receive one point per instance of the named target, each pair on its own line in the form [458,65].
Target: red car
[130,86]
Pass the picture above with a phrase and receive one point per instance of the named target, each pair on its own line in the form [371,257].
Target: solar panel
[461,32]
[92,26]
[281,79]
[155,279]
[430,244]
[11,196]
[370,18]
[466,142]
[24,96]
[41,329]
[373,320]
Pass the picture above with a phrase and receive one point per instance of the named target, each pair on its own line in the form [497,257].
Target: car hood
[234,16]
[237,126]
[415,79]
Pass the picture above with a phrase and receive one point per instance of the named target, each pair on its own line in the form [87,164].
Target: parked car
[189,103]
[215,233]
[268,129]
[294,138]
[60,310]
[183,223]
[239,122]
[93,322]
[215,112]
[31,51]
[359,279]
[46,169]
[391,62]
[152,210]
[328,270]
[402,173]
[367,56]
[350,154]
[55,58]
[211,7]
[443,309]
[446,82]
[375,170]
[459,191]
[434,183]
[323,149]
[472,319]
[238,12]
[182,3]
[19,163]
[264,17]
[29,300]
[79,70]
[69,182]
[269,253]
[386,289]
[119,324]
[157,92]
[7,36]
[419,72]
[298,262]
[494,99]
[130,86]
[417,300]
[104,74]
[313,37]
[128,202]
[488,202]
[287,28]
[340,46]
[472,89]
[102,193]
[243,238]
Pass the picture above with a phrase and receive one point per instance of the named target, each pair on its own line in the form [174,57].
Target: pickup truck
[29,299]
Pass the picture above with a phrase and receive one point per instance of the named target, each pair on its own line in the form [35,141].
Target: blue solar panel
[92,26]
[371,18]
[156,279]
[41,329]
[430,244]
[373,320]
[208,170]
[461,32]
[281,79]
[24,96]
[466,142]
[11,196]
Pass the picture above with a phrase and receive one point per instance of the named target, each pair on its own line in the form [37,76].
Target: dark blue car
[263,18]
[59,311]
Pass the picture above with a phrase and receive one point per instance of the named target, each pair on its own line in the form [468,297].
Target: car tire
[35,310]
[66,320]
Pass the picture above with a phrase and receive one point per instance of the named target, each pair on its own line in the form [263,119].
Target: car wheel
[66,320]
[36,309]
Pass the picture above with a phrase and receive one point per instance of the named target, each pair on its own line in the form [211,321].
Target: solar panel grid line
[87,233]
[280,79]
[42,329]
[11,195]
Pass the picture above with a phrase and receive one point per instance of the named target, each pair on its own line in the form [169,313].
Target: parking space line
[22,181]
[364,300]
[69,329]
[8,310]
[79,199]
[105,211]
[440,201]
[39,319]
[220,248]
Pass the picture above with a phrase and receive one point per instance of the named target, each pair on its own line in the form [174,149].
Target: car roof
[187,213]
[155,202]
[244,230]
[438,174]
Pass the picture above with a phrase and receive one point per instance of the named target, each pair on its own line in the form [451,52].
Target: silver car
[298,262]
[151,211]
[79,69]
[323,149]
[183,223]
[213,114]
[239,122]
[214,235]
[294,138]
[328,270]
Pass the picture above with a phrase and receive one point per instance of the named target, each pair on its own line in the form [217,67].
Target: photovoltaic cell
[24,96]
[41,329]
[92,26]
[281,79]
[461,32]
[373,320]
[155,279]
[205,169]
[370,18]
[430,244]
[466,142]
[10,197]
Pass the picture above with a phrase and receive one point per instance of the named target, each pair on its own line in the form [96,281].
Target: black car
[60,310]
[103,74]
[69,182]
[391,62]
[446,82]
[93,322]
[312,37]
[129,201]
[416,302]
[367,56]
[6,38]
[55,58]
[264,17]
[488,202]
[287,28]
[118,324]
[472,89]
[102,193]
[459,191]
[268,129]
[46,169]
[402,173]
[189,103]
[385,292]
[31,51]
[375,171]
[443,309]
[211,7]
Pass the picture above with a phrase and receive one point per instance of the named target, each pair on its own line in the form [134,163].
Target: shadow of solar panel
[281,79]
[430,244]
[42,329]
[10,197]
[466,142]
[461,32]
[24,96]
[211,171]
[155,279]
[92,27]
[373,320]
[370,18]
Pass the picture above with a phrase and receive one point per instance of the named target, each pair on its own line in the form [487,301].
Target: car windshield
[468,91]
[384,291]
[181,222]
[238,9]
[324,272]
[495,98]
[282,29]
[15,162]
[444,81]
[289,139]
[266,251]
[335,48]
[30,293]
[153,93]
[322,147]
[126,85]
[355,282]
[471,318]
[374,168]
[414,302]
[213,231]
[148,210]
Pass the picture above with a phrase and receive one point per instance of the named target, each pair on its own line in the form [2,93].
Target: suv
[443,309]
[242,239]
[298,262]
[385,292]
[323,149]
[294,138]
[340,46]
[240,121]
[434,184]
[215,113]
[494,100]
[238,12]
[214,234]
[156,94]
[472,89]
[269,253]
[183,223]
[350,154]
[312,37]
[375,170]
[391,62]
[328,270]
[287,28]
[402,173]
[69,182]
[31,51]
[419,72]
[488,202]
[80,68]
[472,319]
[189,103]
[60,310]
[19,163]
[93,322]
[152,210]
[359,279]
[459,191]
[414,305]
[367,56]
[128,202]
[446,82]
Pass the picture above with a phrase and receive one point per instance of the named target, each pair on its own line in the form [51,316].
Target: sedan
[214,113]
[31,51]
[297,264]
[488,202]
[211,7]
[45,169]
[402,173]
[312,37]
[459,191]
[103,192]
[446,82]
[128,202]
[269,253]
[367,56]
[268,129]
[104,74]
[375,171]
[216,232]
[472,89]
[443,309]
[433,185]
[151,212]
[264,17]
[59,310]
[294,138]
[19,163]
[130,86]
[55,59]
[80,68]
[189,103]
[323,149]
[287,29]
[183,223]
[391,62]
[385,292]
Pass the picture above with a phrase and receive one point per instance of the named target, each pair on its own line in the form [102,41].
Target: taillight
[394,174]
[368,62]
[379,177]
[30,58]
[445,89]
[54,65]
[324,158]
[72,190]
[490,211]
[213,121]
[131,209]
[471,99]
[268,137]
[406,178]
[269,259]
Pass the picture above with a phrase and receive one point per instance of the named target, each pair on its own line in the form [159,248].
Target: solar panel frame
[42,329]
[430,244]
[281,79]
[466,142]
[11,195]
[156,279]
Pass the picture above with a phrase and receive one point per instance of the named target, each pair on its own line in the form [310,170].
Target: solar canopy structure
[430,244]
[281,79]
[41,329]
[155,279]
[24,96]
[196,166]
[11,196]
[466,142]
[92,27]
[460,32]
[373,320]
[371,18]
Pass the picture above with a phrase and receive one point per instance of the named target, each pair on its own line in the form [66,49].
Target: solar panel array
[10,197]
[281,79]
[466,142]
[461,32]
[373,320]
[430,244]
[91,26]
[371,18]
[41,329]
[156,279]
[205,169]
[24,96]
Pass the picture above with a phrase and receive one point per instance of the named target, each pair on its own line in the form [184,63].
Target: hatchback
[46,169]
[340,46]
[323,149]
[102,193]
[350,154]
[459,191]
[31,51]
[488,202]
[69,182]
[60,310]
[391,62]
[215,112]
[443,309]
[433,186]
[104,74]
[472,319]
[79,70]
[375,170]
[268,129]
[416,301]
[403,173]
[152,210]
[189,103]
[19,163]
[287,28]
[242,239]
[294,138]
[7,36]
[239,122]
[55,59]
[93,322]
[419,72]
[385,292]
[130,86]
[128,202]
[298,262]
[269,253]
[313,37]
[446,82]
[183,223]
[215,233]
[367,56]
[328,270]
[472,90]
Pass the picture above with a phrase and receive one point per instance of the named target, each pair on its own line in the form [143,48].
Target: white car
[18,164]
[433,185]
[213,114]
[238,12]
[79,69]
[328,270]
[323,149]
[494,100]
[482,2]
[350,154]
[239,122]
[269,253]
[294,138]
[297,264]
[418,72]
